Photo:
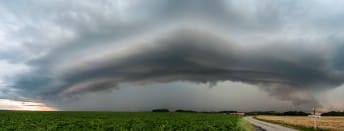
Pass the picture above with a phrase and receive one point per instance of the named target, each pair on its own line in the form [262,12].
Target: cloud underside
[286,72]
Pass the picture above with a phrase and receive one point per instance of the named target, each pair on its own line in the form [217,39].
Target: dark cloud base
[191,55]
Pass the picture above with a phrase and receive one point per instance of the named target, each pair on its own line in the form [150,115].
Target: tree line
[287,113]
[333,113]
[191,111]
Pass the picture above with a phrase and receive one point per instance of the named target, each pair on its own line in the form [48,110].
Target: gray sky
[132,55]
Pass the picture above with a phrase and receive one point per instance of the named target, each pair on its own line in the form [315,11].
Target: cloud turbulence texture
[287,48]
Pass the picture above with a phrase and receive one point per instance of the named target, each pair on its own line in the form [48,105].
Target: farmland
[306,123]
[21,120]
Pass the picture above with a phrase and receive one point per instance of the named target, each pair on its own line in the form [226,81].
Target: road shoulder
[265,126]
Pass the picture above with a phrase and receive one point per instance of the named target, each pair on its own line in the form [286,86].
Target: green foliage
[160,110]
[244,125]
[107,121]
[333,113]
[288,113]
[295,113]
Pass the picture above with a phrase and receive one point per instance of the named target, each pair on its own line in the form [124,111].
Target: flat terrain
[330,123]
[265,126]
[16,120]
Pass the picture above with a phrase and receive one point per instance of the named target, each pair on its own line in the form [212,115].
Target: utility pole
[315,117]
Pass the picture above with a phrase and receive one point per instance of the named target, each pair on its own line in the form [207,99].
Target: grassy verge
[244,125]
[301,128]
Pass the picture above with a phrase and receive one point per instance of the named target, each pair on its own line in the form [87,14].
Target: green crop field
[35,121]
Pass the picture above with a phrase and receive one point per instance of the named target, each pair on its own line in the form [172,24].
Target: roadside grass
[244,125]
[301,128]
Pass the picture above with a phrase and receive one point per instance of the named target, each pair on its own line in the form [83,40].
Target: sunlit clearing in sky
[6,104]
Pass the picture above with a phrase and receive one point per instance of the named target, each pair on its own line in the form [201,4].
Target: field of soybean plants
[108,121]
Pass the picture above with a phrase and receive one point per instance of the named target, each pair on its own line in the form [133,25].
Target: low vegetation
[333,113]
[160,110]
[288,113]
[295,113]
[45,121]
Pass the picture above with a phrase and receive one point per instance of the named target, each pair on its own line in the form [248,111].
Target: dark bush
[160,110]
[295,113]
[333,113]
[228,112]
[264,113]
[186,111]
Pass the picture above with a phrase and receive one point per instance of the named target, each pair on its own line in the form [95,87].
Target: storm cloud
[196,56]
[290,49]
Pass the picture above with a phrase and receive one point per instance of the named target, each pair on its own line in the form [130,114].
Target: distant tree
[333,113]
[186,111]
[228,112]
[295,113]
[160,110]
[264,113]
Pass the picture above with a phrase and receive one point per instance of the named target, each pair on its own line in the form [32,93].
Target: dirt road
[265,126]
